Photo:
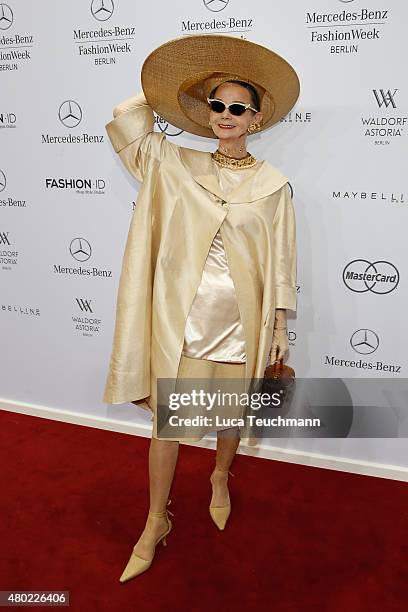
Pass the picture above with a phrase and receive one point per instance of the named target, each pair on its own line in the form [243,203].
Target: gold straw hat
[178,76]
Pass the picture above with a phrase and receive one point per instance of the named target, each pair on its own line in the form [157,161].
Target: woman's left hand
[279,346]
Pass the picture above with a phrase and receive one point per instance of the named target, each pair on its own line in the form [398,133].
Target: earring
[254,127]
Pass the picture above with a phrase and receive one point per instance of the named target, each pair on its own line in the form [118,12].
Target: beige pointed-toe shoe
[220,514]
[136,565]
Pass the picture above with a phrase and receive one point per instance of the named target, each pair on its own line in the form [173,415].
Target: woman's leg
[163,456]
[227,444]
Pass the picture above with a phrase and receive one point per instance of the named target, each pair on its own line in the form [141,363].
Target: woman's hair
[248,86]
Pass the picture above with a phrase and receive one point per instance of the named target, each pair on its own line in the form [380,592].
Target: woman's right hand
[129,104]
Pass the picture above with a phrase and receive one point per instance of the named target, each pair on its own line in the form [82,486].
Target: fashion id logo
[106,44]
[342,32]
[220,23]
[70,116]
[15,47]
[81,186]
[8,120]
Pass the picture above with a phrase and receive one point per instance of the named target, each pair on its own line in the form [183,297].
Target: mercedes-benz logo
[379,277]
[364,341]
[165,127]
[70,113]
[6,17]
[80,249]
[3,181]
[102,10]
[216,5]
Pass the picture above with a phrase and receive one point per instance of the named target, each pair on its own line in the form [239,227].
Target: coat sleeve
[285,251]
[132,136]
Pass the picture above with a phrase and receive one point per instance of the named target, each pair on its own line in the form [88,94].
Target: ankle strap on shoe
[163,513]
[224,471]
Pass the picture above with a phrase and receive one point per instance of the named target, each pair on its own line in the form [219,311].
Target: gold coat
[179,209]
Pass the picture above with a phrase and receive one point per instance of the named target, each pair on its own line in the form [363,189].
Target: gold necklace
[232,162]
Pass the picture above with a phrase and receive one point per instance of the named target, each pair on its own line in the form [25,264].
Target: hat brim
[178,76]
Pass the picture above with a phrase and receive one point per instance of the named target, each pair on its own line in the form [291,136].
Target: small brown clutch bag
[279,378]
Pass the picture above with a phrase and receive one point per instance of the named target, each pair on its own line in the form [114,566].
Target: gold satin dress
[214,342]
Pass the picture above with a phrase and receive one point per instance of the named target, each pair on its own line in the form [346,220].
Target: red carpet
[74,501]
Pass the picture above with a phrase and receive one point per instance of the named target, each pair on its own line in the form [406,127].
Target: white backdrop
[66,202]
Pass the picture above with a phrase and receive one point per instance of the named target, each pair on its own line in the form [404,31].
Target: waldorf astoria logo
[15,47]
[380,277]
[107,43]
[220,23]
[385,126]
[8,254]
[80,250]
[70,116]
[346,30]
[85,322]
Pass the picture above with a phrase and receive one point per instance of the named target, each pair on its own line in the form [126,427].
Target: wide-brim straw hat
[178,76]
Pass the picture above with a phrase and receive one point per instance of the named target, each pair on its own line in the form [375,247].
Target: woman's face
[225,125]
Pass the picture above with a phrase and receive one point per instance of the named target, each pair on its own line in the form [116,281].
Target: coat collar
[265,181]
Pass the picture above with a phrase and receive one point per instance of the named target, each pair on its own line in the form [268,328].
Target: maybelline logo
[347,27]
[364,342]
[385,127]
[9,202]
[83,186]
[105,43]
[379,196]
[297,117]
[13,47]
[83,321]
[217,24]
[378,277]
[8,256]
[8,120]
[30,311]
[70,116]
[80,249]
[165,127]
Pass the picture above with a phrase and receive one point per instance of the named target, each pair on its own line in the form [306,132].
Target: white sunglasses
[235,108]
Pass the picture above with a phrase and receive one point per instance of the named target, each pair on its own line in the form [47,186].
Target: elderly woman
[209,267]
